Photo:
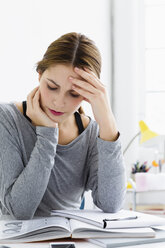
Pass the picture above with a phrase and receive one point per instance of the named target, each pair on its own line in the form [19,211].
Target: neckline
[58,145]
[77,138]
[21,114]
[76,116]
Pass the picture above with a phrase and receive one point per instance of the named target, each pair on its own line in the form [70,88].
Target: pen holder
[149,181]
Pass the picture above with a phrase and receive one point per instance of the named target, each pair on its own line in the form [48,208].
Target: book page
[121,219]
[17,228]
[84,230]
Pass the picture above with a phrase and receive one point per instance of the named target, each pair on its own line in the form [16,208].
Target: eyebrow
[58,84]
[53,82]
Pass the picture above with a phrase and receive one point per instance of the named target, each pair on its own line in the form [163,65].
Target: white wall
[29,26]
[128,72]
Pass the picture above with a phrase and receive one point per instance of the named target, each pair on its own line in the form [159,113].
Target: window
[155,64]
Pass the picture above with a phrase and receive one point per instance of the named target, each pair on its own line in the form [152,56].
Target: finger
[85,99]
[84,85]
[30,107]
[30,97]
[32,93]
[36,102]
[90,72]
[36,99]
[86,94]
[88,77]
[94,74]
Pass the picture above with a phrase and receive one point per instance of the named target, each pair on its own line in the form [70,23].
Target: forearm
[107,127]
[26,192]
[111,177]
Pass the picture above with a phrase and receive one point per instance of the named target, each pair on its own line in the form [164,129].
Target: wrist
[109,135]
[108,130]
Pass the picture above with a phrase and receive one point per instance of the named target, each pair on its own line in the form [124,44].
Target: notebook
[121,242]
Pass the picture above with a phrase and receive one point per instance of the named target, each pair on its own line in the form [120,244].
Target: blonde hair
[73,49]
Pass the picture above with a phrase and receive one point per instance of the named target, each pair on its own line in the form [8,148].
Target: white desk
[135,194]
[81,245]
[46,245]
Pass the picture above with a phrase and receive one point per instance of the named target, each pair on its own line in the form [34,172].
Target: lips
[55,112]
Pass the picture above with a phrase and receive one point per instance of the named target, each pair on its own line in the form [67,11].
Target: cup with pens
[148,181]
[138,174]
[137,167]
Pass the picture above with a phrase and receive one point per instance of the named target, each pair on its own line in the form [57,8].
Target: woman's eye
[73,95]
[51,88]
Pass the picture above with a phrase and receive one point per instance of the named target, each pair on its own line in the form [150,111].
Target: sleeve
[22,187]
[107,177]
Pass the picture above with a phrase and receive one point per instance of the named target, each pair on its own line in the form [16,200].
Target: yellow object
[146,133]
[154,163]
[129,185]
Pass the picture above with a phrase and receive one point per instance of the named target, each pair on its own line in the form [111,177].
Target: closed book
[121,242]
[121,219]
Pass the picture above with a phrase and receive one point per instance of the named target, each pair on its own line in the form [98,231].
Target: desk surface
[80,244]
[46,245]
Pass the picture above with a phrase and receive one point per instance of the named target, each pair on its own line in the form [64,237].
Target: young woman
[50,152]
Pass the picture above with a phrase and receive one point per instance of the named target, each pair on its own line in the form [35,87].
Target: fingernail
[70,78]
[76,69]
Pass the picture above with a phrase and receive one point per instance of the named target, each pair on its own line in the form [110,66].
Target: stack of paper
[116,242]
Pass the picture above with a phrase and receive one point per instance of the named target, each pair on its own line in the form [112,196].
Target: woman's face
[58,99]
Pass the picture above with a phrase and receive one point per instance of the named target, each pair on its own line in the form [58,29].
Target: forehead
[61,73]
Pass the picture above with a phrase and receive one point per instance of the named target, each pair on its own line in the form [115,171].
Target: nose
[59,101]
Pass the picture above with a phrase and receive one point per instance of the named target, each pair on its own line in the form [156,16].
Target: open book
[121,219]
[60,227]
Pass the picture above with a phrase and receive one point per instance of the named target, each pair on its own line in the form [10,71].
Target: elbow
[110,207]
[16,208]
[18,213]
[112,204]
[22,216]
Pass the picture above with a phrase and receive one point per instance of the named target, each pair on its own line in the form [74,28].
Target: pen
[118,219]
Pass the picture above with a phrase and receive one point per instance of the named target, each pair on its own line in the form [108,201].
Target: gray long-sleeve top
[38,175]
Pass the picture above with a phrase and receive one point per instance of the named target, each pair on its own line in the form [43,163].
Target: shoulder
[9,115]
[4,109]
[90,124]
[19,106]
[7,110]
[7,123]
[85,120]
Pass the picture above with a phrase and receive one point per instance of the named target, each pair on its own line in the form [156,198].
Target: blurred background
[130,35]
